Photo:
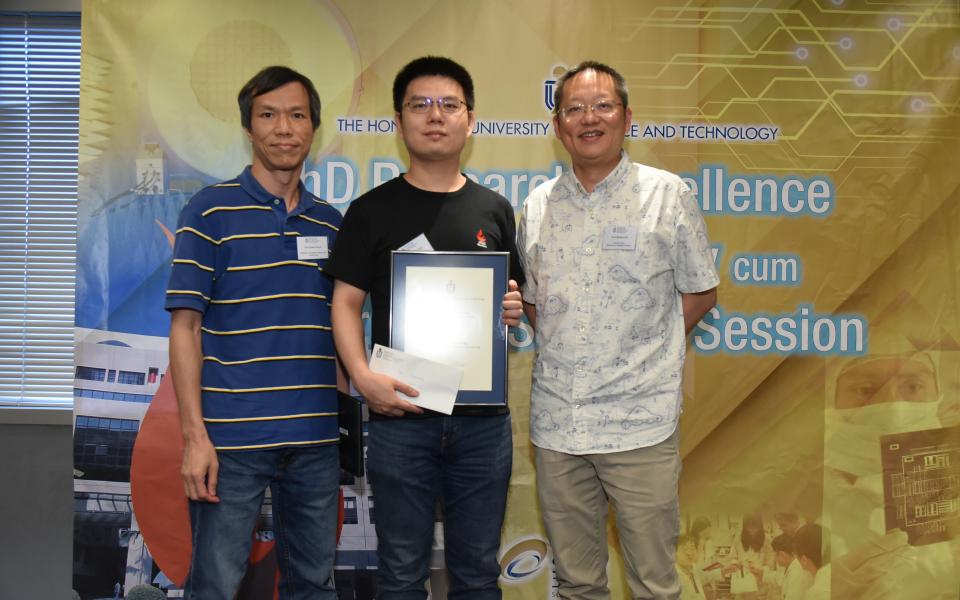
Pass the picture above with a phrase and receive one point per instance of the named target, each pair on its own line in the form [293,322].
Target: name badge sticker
[312,246]
[620,237]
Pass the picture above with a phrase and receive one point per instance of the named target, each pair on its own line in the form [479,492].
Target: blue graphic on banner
[124,261]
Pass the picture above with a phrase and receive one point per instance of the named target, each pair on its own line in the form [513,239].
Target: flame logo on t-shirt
[481,239]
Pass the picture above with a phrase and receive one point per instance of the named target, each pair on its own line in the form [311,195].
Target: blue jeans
[304,486]
[465,462]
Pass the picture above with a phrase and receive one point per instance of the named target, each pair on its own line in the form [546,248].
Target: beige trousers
[641,485]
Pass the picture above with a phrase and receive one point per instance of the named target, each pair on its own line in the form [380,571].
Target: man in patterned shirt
[251,353]
[618,271]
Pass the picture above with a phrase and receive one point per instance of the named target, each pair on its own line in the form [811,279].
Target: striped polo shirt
[255,273]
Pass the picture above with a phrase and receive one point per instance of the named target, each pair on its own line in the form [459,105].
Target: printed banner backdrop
[821,137]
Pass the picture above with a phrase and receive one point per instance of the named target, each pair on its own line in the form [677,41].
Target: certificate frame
[403,268]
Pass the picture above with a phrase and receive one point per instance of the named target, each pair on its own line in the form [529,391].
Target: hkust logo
[481,239]
[549,84]
[523,559]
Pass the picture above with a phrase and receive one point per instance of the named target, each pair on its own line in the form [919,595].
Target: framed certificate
[445,306]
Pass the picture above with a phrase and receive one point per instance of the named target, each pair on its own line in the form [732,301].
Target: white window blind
[39,114]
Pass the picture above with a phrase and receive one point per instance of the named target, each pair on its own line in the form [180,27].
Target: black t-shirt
[389,216]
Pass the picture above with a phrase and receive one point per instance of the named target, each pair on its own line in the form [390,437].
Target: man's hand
[200,466]
[696,306]
[512,305]
[199,471]
[380,392]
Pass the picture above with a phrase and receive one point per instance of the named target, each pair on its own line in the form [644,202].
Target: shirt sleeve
[351,260]
[510,239]
[527,252]
[691,255]
[194,260]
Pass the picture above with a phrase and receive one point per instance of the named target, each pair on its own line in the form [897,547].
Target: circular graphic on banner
[219,63]
[523,559]
[156,488]
[192,84]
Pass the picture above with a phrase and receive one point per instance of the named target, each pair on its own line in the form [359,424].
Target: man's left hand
[512,305]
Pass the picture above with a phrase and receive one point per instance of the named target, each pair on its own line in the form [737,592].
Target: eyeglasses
[601,108]
[422,105]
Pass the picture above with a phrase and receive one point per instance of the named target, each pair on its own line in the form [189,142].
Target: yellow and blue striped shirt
[269,377]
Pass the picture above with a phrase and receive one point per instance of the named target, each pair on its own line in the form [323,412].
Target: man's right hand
[380,392]
[199,471]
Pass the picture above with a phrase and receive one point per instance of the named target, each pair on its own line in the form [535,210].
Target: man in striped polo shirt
[251,353]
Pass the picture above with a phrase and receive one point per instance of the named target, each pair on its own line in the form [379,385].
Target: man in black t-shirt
[417,457]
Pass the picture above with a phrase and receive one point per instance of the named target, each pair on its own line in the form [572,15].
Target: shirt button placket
[588,265]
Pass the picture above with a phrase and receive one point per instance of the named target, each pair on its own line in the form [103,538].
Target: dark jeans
[304,487]
[466,463]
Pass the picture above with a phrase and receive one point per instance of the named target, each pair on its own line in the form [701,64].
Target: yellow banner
[821,137]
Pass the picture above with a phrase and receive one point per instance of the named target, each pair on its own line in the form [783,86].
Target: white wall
[36,557]
[42,5]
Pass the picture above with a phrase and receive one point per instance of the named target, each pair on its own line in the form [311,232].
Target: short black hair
[809,541]
[619,83]
[783,543]
[426,66]
[269,79]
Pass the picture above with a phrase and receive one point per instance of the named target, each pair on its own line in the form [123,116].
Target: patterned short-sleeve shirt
[605,271]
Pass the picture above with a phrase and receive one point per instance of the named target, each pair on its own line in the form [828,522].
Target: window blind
[39,115]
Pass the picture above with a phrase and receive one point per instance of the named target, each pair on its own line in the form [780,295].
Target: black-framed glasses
[601,108]
[447,104]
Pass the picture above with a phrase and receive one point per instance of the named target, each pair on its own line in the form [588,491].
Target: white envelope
[417,244]
[437,383]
